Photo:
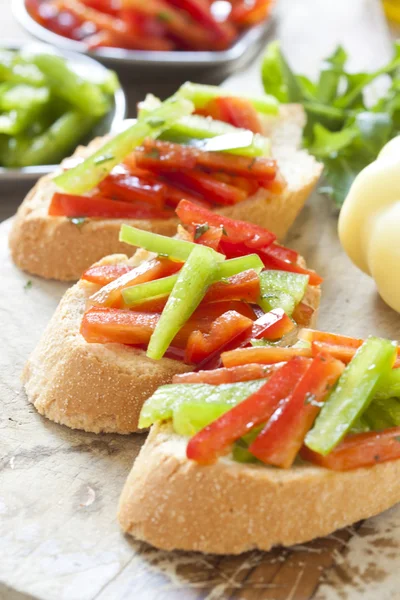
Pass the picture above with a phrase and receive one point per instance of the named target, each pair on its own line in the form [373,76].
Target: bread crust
[98,387]
[94,387]
[55,248]
[230,508]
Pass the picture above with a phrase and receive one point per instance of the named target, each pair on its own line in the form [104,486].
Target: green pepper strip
[196,275]
[352,395]
[94,169]
[162,287]
[201,95]
[154,242]
[389,386]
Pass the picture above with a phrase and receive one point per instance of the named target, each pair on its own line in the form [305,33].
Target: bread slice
[98,387]
[229,507]
[55,248]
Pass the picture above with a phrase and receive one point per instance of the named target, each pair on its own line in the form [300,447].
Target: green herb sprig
[344,130]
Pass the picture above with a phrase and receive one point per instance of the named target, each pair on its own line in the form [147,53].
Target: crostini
[231,465]
[130,324]
[236,156]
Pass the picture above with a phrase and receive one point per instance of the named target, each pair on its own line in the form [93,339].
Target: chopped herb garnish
[28,285]
[103,158]
[397,438]
[224,231]
[153,153]
[252,163]
[164,16]
[78,221]
[200,229]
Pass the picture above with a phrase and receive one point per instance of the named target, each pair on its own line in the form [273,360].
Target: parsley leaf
[200,229]
[344,129]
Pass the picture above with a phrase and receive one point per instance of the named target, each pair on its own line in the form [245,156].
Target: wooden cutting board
[59,539]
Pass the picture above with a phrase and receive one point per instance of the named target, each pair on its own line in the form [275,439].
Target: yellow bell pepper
[369,223]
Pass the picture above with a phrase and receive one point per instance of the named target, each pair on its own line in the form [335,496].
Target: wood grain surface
[59,539]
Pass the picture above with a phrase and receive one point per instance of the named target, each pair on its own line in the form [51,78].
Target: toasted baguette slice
[98,387]
[229,507]
[55,248]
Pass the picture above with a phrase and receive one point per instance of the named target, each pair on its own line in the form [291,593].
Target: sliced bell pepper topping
[104,274]
[389,386]
[312,335]
[359,450]
[162,405]
[139,292]
[154,242]
[207,186]
[302,314]
[238,231]
[201,94]
[103,325]
[207,235]
[273,261]
[265,355]
[225,329]
[196,275]
[283,435]
[129,188]
[236,111]
[271,326]
[377,418]
[244,286]
[233,375]
[94,169]
[283,252]
[353,394]
[341,347]
[388,408]
[150,270]
[282,289]
[162,156]
[215,439]
[66,205]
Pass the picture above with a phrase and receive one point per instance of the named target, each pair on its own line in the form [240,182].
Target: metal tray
[110,123]
[162,62]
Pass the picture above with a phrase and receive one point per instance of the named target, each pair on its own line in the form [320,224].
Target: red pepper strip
[212,441]
[107,6]
[67,205]
[312,335]
[272,325]
[262,354]
[129,188]
[343,353]
[249,372]
[158,154]
[225,329]
[244,286]
[303,314]
[276,186]
[107,325]
[110,325]
[211,236]
[283,436]
[207,186]
[359,450]
[177,24]
[200,11]
[104,274]
[245,14]
[163,156]
[283,253]
[236,111]
[237,231]
[271,260]
[250,186]
[110,295]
